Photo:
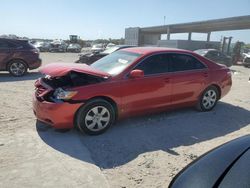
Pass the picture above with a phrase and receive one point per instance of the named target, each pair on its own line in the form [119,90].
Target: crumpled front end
[53,101]
[57,113]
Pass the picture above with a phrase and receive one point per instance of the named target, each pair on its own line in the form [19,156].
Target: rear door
[188,77]
[151,91]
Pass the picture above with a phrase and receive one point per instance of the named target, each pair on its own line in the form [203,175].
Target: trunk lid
[61,69]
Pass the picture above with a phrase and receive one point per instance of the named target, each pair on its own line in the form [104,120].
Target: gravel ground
[144,151]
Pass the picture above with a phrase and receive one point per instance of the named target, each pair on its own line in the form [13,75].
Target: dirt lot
[140,152]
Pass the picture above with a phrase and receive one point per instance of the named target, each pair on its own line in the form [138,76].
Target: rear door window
[183,62]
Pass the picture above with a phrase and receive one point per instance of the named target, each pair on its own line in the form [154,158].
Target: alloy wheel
[97,118]
[17,68]
[209,99]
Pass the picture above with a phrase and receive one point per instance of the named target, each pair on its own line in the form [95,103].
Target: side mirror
[136,73]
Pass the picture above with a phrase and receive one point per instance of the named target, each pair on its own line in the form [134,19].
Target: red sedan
[128,82]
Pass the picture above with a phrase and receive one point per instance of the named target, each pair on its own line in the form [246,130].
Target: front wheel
[95,117]
[208,99]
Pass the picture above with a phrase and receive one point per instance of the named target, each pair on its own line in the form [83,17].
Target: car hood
[61,69]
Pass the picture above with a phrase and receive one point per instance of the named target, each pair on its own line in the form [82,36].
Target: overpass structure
[152,35]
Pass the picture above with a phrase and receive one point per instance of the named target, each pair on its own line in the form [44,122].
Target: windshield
[116,62]
[110,50]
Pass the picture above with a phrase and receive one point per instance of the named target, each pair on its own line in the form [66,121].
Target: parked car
[17,56]
[216,56]
[42,46]
[45,47]
[89,58]
[58,46]
[246,60]
[128,82]
[109,45]
[74,48]
[97,48]
[227,166]
[37,44]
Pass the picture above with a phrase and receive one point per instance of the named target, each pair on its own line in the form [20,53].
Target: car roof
[14,40]
[150,50]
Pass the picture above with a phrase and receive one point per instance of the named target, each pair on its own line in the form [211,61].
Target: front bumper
[35,64]
[58,115]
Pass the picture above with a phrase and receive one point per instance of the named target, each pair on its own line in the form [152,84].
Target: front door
[151,91]
[5,53]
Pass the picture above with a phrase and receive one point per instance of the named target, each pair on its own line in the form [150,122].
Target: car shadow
[135,136]
[6,77]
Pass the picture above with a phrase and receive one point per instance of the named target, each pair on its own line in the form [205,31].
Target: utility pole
[164,23]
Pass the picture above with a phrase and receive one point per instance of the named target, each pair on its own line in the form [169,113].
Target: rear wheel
[95,117]
[17,68]
[208,99]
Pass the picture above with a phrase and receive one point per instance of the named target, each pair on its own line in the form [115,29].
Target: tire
[17,68]
[208,99]
[95,117]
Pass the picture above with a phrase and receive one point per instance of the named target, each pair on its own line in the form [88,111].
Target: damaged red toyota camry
[128,82]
